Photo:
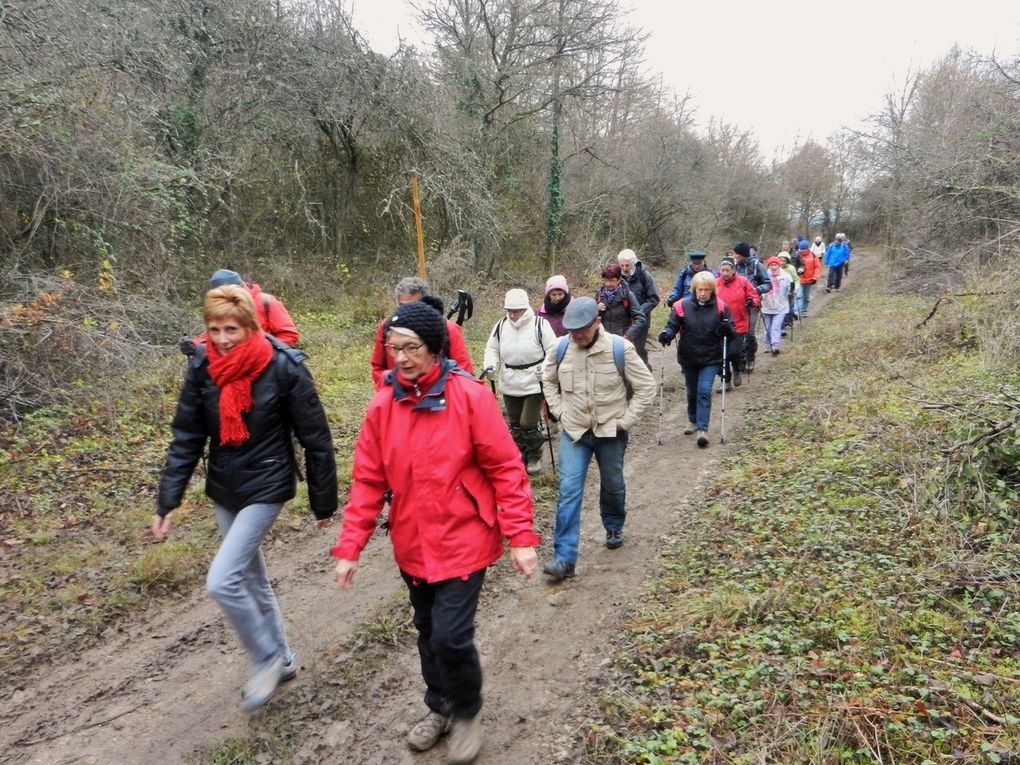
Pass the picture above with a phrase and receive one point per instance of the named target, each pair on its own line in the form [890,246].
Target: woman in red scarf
[247,395]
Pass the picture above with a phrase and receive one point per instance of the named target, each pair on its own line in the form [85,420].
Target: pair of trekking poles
[722,406]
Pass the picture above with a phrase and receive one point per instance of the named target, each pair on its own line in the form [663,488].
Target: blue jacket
[836,254]
[682,286]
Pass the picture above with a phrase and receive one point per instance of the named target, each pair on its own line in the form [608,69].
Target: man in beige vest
[586,387]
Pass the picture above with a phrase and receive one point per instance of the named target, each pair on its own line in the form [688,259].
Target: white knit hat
[515,300]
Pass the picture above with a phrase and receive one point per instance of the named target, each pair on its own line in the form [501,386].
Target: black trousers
[444,615]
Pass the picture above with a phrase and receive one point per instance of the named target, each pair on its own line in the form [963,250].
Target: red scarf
[234,375]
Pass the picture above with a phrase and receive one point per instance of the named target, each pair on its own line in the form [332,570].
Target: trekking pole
[548,437]
[722,373]
[662,377]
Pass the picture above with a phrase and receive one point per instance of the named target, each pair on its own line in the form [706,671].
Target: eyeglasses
[409,349]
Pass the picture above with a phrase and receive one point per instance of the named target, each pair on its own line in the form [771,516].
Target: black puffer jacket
[700,329]
[263,468]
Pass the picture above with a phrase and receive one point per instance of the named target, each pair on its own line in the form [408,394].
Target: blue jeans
[699,381]
[805,298]
[239,581]
[574,461]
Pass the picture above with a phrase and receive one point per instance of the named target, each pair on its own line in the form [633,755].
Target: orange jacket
[812,267]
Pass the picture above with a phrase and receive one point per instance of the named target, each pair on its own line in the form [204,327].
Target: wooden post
[417,227]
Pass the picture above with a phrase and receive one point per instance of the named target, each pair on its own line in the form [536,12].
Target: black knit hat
[422,319]
[742,248]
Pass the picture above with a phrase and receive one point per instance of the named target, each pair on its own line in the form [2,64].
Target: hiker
[818,249]
[836,256]
[700,321]
[741,298]
[436,439]
[557,298]
[272,314]
[790,271]
[808,275]
[775,304]
[246,393]
[682,285]
[618,308]
[586,385]
[849,254]
[517,346]
[409,290]
[642,286]
[751,269]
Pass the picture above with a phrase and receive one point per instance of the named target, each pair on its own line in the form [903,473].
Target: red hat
[773,261]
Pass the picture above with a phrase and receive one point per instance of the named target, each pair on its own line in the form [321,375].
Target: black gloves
[186,345]
[670,300]
[665,338]
[725,328]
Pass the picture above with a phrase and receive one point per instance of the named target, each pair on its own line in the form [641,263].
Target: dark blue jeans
[699,381]
[444,615]
[575,457]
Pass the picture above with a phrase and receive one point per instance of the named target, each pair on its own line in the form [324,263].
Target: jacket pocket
[481,496]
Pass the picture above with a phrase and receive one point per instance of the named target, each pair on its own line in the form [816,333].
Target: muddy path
[167,687]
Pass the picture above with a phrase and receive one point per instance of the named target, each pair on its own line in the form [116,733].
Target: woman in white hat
[517,346]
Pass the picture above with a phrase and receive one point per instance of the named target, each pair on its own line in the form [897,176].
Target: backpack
[539,321]
[618,360]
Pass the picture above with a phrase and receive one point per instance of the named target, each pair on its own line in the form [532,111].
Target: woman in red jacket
[436,439]
[738,294]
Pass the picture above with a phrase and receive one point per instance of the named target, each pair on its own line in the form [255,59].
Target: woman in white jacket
[775,303]
[516,349]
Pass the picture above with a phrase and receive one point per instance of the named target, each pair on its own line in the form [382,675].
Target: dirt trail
[167,689]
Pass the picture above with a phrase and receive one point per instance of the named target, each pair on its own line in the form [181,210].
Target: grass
[840,595]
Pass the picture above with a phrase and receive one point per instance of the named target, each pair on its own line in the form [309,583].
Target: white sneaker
[465,740]
[290,668]
[425,733]
[262,684]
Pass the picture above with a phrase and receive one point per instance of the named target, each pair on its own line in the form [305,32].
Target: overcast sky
[757,64]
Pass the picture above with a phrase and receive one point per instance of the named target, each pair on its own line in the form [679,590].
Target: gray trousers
[239,581]
[524,413]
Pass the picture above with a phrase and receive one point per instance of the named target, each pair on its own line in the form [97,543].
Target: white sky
[785,69]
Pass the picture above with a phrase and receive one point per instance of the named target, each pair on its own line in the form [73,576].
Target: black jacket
[263,468]
[642,286]
[700,331]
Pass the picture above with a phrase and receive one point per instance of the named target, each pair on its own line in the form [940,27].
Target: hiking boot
[425,733]
[691,427]
[723,387]
[465,740]
[775,351]
[262,684]
[290,668]
[558,570]
[738,379]
[534,468]
[783,333]
[828,289]
[702,439]
[614,539]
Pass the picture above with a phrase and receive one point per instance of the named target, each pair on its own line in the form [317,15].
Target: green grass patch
[842,594]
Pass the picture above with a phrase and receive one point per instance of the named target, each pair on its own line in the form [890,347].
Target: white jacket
[524,344]
[819,250]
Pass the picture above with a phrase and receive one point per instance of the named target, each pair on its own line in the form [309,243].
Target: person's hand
[669,301]
[160,526]
[602,307]
[345,570]
[323,523]
[725,327]
[186,345]
[524,560]
[486,372]
[665,338]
